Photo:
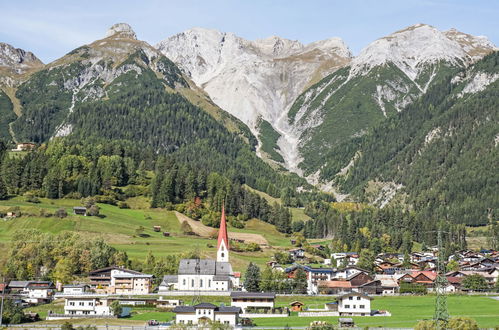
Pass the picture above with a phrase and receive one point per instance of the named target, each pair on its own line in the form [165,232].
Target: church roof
[222,232]
[206,267]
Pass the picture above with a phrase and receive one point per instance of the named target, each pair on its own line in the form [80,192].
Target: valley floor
[406,311]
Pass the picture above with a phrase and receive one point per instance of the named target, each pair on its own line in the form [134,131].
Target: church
[205,274]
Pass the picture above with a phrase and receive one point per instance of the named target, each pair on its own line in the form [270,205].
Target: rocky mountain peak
[122,30]
[16,57]
[475,46]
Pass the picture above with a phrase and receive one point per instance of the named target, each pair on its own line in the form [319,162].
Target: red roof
[222,232]
[237,274]
[335,284]
[454,280]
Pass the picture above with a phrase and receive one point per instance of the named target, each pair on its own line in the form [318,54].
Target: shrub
[61,213]
[93,211]
[123,205]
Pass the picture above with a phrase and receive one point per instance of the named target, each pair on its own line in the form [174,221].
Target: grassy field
[118,228]
[406,311]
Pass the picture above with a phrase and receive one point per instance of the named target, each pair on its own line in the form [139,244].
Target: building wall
[226,318]
[73,290]
[355,306]
[201,283]
[245,304]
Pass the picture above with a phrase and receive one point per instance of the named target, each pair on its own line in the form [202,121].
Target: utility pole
[441,312]
[1,305]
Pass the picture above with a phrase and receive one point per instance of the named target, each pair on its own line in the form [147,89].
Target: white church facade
[205,274]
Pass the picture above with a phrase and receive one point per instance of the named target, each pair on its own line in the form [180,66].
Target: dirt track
[206,231]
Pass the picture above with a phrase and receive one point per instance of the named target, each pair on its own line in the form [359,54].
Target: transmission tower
[196,299]
[441,312]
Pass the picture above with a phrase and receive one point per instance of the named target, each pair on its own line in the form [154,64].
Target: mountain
[122,89]
[440,154]
[387,76]
[256,81]
[14,62]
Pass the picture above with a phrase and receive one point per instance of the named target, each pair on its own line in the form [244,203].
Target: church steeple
[223,240]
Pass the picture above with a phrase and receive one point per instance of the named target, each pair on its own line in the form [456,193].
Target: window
[201,283]
[222,254]
[354,306]
[347,306]
[226,322]
[350,298]
[82,303]
[209,283]
[358,298]
[184,281]
[90,304]
[71,303]
[192,283]
[362,306]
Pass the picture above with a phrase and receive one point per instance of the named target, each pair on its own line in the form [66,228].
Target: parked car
[152,322]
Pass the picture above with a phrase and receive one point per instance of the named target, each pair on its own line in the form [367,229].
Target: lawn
[406,311]
[119,227]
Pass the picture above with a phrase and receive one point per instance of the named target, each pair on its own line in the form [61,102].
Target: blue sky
[50,29]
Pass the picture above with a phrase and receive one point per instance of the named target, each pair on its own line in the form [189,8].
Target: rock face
[15,62]
[122,30]
[254,79]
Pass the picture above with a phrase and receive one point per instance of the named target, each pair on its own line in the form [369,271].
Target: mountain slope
[122,89]
[441,152]
[383,80]
[254,80]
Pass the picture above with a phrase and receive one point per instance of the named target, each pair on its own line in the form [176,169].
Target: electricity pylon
[441,312]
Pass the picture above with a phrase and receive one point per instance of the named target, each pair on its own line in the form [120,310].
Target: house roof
[75,286]
[169,279]
[18,284]
[335,284]
[132,275]
[205,306]
[80,208]
[192,309]
[351,294]
[240,294]
[206,267]
[110,268]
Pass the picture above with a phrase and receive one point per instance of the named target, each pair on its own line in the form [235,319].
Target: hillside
[441,152]
[119,228]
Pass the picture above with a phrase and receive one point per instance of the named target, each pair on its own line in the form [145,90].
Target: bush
[61,213]
[31,199]
[123,205]
[93,211]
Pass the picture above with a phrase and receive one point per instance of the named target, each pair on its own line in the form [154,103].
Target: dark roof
[228,309]
[170,279]
[205,305]
[239,294]
[221,278]
[354,294]
[184,309]
[206,267]
[75,286]
[110,268]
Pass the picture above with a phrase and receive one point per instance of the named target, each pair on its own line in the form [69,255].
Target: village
[111,292]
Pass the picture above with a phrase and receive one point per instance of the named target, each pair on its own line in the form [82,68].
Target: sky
[51,29]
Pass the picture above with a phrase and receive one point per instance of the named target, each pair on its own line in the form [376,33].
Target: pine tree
[300,282]
[252,278]
[3,190]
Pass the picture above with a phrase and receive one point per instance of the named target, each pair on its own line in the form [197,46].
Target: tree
[252,278]
[462,323]
[475,282]
[67,326]
[267,281]
[407,261]
[61,213]
[63,271]
[12,314]
[93,211]
[116,308]
[3,190]
[300,282]
[366,260]
[452,266]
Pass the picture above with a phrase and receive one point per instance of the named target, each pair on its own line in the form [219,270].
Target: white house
[354,304]
[245,300]
[169,283]
[86,306]
[75,289]
[206,313]
[123,282]
[168,303]
[39,292]
[346,272]
[351,257]
[207,274]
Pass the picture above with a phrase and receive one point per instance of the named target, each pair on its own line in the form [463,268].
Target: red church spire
[222,232]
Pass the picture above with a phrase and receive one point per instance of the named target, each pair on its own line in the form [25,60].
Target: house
[389,283]
[123,282]
[314,275]
[298,253]
[208,274]
[74,289]
[354,304]
[334,287]
[297,306]
[169,283]
[120,280]
[168,303]
[87,306]
[358,279]
[205,313]
[345,258]
[252,300]
[40,292]
[34,291]
[80,210]
[348,271]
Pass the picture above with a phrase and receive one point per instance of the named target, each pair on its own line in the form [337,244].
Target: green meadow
[119,227]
